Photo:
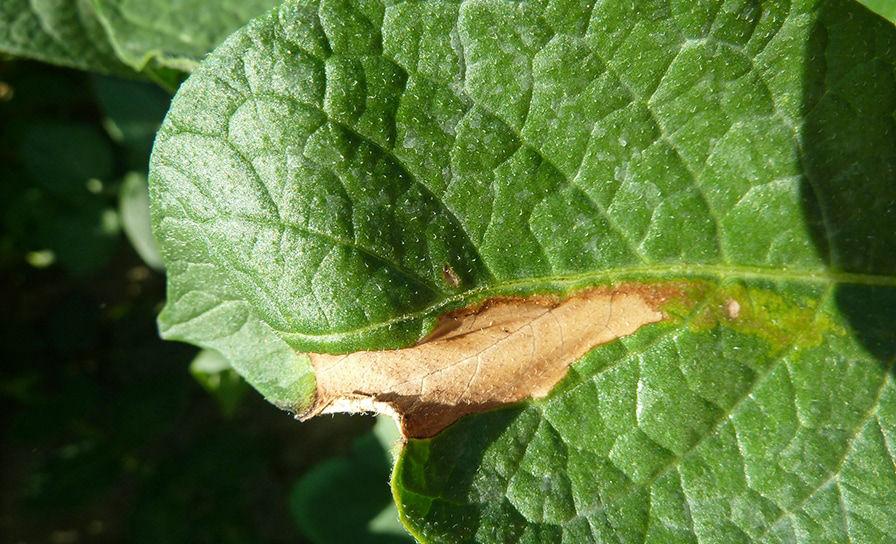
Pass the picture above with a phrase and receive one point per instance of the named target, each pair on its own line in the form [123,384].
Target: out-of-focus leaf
[886,8]
[79,235]
[133,112]
[347,499]
[216,376]
[61,208]
[64,32]
[82,237]
[173,34]
[133,208]
[63,157]
[54,203]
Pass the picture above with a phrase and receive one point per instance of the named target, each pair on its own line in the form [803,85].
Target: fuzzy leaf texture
[337,175]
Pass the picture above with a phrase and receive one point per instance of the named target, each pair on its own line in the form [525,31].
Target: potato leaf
[64,32]
[691,203]
[123,37]
[173,34]
[886,8]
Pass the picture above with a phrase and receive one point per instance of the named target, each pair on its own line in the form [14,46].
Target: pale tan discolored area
[499,352]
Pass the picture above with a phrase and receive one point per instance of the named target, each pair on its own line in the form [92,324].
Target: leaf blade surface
[352,172]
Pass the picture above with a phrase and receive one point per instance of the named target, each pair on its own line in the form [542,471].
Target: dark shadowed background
[108,433]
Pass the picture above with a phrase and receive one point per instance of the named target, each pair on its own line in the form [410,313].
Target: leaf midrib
[654,272]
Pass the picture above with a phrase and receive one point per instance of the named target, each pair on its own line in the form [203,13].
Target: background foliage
[109,433]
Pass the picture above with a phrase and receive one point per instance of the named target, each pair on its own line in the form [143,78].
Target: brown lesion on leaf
[497,352]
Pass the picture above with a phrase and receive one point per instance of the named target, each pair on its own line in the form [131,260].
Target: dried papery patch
[498,352]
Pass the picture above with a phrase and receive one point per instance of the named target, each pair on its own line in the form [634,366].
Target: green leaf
[64,32]
[173,34]
[339,175]
[161,39]
[886,8]
[64,215]
[133,111]
[216,376]
[63,157]
[133,208]
[356,487]
[204,309]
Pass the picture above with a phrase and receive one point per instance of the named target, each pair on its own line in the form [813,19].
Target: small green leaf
[216,376]
[340,174]
[64,32]
[133,208]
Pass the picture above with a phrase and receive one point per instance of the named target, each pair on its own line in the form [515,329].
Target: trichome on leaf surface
[646,250]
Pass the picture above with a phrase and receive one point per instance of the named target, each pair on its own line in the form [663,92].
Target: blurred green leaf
[63,157]
[886,8]
[59,209]
[216,376]
[78,235]
[173,34]
[82,237]
[133,207]
[36,91]
[347,499]
[63,32]
[133,111]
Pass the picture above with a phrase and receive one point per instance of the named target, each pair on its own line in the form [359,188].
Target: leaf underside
[339,174]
